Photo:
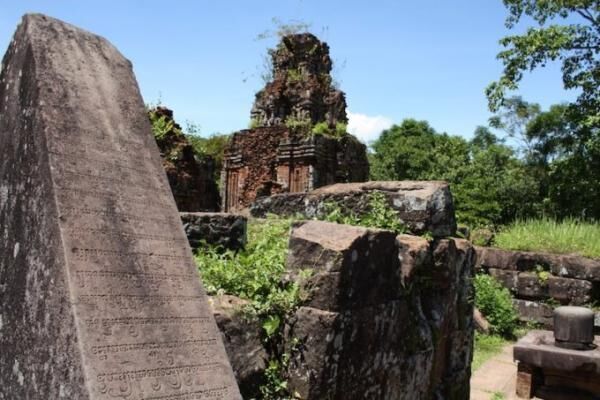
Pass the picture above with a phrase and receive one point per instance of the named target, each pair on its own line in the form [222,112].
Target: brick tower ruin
[298,141]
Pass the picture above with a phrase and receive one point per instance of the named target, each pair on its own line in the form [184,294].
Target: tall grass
[566,236]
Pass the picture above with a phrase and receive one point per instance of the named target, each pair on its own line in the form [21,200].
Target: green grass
[568,236]
[486,347]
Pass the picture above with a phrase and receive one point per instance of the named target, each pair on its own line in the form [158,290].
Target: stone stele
[99,294]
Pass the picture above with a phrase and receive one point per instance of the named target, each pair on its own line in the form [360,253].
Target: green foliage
[542,274]
[497,396]
[253,123]
[341,129]
[320,128]
[160,125]
[575,44]
[323,128]
[294,75]
[566,236]
[495,303]
[298,125]
[486,347]
[213,146]
[254,273]
[378,215]
[489,183]
[257,274]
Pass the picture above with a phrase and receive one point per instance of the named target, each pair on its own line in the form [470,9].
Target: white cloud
[367,128]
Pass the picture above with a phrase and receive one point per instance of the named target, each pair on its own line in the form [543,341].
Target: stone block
[218,229]
[395,314]
[508,278]
[569,291]
[242,336]
[564,265]
[532,311]
[423,206]
[351,266]
[530,286]
[537,349]
[100,299]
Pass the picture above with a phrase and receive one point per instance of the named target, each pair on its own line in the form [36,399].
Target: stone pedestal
[547,371]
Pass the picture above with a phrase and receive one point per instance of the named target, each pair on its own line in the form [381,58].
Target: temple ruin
[298,140]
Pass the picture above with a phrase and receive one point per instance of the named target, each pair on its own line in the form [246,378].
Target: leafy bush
[341,129]
[320,128]
[257,274]
[495,302]
[254,273]
[298,125]
[160,125]
[379,215]
[567,236]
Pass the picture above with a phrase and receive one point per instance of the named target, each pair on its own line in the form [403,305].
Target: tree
[575,44]
[489,183]
[514,118]
[566,161]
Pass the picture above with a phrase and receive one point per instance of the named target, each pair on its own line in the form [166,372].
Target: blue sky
[424,59]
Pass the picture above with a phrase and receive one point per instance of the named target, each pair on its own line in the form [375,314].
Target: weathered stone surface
[537,349]
[424,206]
[530,286]
[99,299]
[385,318]
[563,279]
[565,265]
[284,152]
[574,327]
[508,278]
[192,180]
[570,291]
[481,324]
[219,229]
[532,311]
[301,87]
[269,160]
[243,342]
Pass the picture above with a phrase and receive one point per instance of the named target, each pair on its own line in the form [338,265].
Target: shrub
[379,215]
[341,129]
[298,125]
[257,274]
[160,125]
[495,302]
[320,128]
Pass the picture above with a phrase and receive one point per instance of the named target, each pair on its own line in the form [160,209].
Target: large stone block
[99,299]
[218,229]
[423,206]
[242,337]
[570,291]
[532,311]
[564,265]
[385,318]
[508,278]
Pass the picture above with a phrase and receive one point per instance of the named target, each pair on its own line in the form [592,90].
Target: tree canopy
[575,43]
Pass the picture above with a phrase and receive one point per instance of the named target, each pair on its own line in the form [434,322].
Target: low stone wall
[220,229]
[540,281]
[423,206]
[385,317]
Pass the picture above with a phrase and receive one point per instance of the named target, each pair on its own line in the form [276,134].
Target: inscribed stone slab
[99,294]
